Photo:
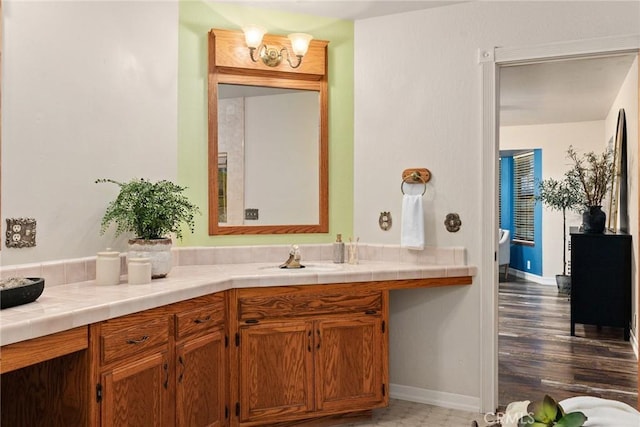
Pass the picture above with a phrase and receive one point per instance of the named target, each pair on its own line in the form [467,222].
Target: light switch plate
[251,214]
[21,233]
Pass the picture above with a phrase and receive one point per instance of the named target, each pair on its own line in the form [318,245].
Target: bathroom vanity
[234,345]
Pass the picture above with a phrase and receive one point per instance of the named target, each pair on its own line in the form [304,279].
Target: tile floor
[401,413]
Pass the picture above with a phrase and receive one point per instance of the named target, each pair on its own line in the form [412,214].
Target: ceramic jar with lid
[108,267]
[139,271]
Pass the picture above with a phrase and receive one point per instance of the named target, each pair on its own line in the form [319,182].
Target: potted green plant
[594,174]
[561,195]
[151,211]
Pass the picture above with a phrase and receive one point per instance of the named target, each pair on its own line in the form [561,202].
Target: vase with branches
[594,173]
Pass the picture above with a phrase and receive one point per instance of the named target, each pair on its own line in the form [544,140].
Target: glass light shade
[253,35]
[300,43]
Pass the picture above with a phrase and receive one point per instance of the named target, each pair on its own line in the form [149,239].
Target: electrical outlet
[528,265]
[21,233]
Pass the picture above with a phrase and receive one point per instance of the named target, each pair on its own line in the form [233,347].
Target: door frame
[490,60]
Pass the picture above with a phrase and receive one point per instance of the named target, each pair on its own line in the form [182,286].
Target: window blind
[523,201]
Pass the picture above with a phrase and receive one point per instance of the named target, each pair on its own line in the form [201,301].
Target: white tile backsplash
[186,256]
[83,269]
[428,256]
[75,271]
[391,253]
[53,273]
[459,256]
[206,256]
[445,256]
[28,270]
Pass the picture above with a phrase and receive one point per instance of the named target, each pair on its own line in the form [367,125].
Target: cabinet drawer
[300,305]
[200,319]
[134,340]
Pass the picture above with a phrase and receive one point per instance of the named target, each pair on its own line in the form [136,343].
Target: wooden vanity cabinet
[45,381]
[275,371]
[349,363]
[308,353]
[201,360]
[278,356]
[162,367]
[133,371]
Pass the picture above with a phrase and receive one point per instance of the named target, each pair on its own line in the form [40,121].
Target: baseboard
[551,281]
[437,398]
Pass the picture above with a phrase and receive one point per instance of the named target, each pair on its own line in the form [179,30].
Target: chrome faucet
[294,258]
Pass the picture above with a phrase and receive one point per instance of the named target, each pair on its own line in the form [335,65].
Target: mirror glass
[268,155]
[268,140]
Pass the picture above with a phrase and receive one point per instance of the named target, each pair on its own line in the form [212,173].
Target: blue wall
[521,253]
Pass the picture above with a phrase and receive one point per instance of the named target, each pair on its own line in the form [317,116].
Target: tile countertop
[64,307]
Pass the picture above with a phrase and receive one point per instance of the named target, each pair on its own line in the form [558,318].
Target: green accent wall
[196,19]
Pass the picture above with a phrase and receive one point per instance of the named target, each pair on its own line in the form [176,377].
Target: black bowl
[21,294]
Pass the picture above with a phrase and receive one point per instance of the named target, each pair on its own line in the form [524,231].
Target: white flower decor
[514,412]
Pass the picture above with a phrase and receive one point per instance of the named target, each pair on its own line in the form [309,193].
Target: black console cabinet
[601,280]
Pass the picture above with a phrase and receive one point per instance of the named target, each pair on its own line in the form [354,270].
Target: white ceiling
[572,90]
[345,9]
[549,92]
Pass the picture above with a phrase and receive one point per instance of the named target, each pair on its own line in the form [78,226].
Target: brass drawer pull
[140,341]
[166,378]
[203,320]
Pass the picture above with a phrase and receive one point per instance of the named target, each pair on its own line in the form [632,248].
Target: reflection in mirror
[268,155]
[268,140]
[618,194]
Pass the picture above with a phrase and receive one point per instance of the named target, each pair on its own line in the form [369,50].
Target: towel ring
[414,178]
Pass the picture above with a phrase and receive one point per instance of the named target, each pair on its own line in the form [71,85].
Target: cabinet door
[349,364]
[276,370]
[200,397]
[137,393]
[601,279]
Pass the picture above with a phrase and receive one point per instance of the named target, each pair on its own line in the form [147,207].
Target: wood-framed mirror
[618,217]
[268,139]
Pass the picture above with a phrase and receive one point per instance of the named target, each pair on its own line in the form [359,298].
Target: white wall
[554,140]
[418,104]
[628,99]
[89,90]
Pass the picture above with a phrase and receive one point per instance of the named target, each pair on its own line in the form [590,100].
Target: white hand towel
[412,227]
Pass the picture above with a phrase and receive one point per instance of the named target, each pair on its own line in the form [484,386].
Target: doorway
[492,61]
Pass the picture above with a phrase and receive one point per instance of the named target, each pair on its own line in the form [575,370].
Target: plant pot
[157,250]
[564,283]
[593,220]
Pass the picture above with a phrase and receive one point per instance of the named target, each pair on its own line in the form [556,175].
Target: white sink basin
[308,268]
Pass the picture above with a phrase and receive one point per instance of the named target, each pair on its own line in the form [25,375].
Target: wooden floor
[538,356]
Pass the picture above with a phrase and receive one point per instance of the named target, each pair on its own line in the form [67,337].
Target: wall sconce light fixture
[272,56]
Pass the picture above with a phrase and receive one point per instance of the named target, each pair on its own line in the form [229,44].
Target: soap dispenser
[338,250]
